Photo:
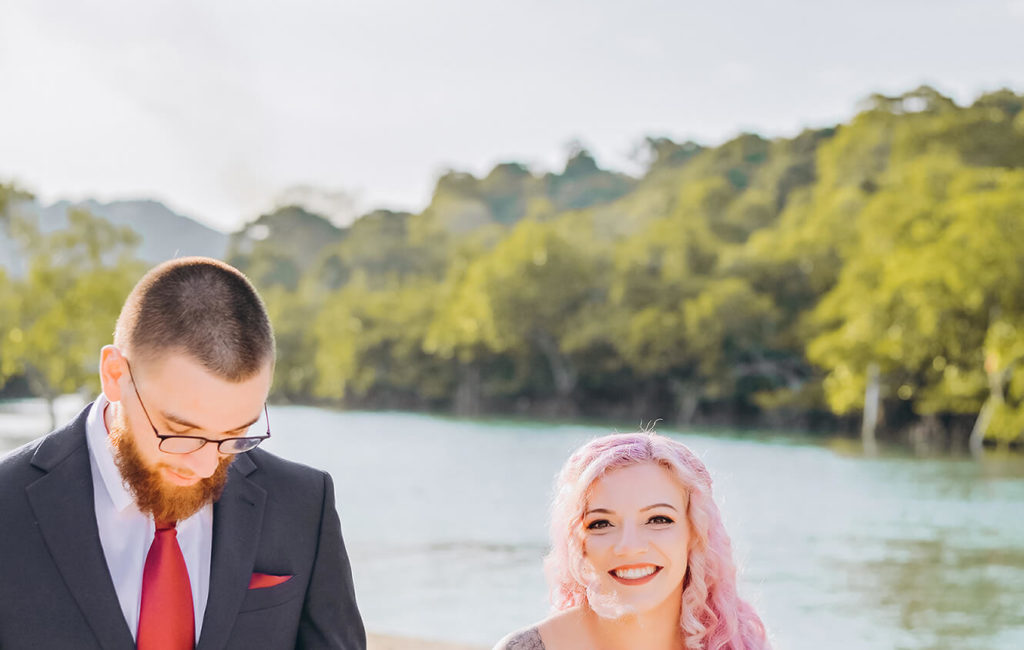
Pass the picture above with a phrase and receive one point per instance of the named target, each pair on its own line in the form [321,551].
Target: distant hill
[165,234]
[278,247]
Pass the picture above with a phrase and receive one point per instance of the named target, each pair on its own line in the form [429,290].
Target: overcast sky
[216,108]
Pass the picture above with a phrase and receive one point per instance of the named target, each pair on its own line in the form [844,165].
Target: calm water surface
[445,524]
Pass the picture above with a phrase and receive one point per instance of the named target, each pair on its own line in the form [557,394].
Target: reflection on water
[445,591]
[948,592]
[445,524]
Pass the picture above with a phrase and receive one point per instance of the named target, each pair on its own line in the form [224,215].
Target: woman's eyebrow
[606,511]
[659,505]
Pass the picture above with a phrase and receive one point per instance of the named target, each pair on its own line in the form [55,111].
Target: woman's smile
[635,574]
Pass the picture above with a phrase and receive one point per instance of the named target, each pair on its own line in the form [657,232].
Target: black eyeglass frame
[254,440]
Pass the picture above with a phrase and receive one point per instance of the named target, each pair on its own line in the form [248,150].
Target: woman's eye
[598,524]
[659,519]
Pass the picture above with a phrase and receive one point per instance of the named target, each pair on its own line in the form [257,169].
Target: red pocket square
[264,580]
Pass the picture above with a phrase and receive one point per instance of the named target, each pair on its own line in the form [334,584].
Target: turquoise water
[445,524]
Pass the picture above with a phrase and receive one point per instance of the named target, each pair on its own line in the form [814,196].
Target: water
[445,524]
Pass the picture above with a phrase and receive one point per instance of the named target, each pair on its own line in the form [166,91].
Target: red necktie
[166,620]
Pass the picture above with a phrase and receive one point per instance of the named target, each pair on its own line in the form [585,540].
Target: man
[151,520]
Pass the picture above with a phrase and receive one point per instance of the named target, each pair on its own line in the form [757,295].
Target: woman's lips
[635,574]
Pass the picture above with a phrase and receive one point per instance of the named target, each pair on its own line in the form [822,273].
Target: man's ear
[113,368]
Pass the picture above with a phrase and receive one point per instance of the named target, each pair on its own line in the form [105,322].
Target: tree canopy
[757,279]
[55,318]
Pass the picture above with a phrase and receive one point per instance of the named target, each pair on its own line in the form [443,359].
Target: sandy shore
[385,642]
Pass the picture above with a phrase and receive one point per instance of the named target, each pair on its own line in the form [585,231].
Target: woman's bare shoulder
[558,632]
[528,639]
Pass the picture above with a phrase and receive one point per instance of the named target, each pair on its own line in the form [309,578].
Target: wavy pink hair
[713,617]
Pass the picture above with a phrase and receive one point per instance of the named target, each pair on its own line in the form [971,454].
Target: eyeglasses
[177,444]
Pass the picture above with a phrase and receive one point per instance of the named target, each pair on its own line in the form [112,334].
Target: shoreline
[391,642]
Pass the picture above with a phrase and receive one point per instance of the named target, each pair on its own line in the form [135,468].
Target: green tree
[279,247]
[934,283]
[370,346]
[62,312]
[521,300]
[10,194]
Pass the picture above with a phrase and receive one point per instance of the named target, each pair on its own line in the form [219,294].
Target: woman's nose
[630,540]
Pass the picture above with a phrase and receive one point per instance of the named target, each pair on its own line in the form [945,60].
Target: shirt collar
[100,447]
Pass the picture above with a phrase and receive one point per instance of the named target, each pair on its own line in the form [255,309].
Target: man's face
[181,398]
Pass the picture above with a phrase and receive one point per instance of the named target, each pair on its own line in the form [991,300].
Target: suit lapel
[237,520]
[62,501]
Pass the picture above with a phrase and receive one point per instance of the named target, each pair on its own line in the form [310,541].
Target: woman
[639,556]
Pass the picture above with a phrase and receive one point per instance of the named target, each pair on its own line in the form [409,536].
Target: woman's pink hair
[713,615]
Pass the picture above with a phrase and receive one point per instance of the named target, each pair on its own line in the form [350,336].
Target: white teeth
[634,574]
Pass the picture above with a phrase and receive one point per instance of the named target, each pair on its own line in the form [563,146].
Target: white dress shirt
[126,533]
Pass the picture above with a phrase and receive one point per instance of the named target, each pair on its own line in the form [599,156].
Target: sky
[224,109]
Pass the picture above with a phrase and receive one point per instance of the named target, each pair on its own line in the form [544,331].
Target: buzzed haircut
[202,307]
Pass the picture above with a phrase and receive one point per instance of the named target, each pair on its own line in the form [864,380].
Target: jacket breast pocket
[267,597]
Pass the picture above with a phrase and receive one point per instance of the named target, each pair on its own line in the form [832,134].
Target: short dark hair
[202,307]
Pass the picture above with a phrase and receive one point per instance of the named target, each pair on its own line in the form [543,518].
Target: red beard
[152,494]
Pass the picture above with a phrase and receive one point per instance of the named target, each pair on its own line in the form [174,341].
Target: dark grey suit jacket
[274,517]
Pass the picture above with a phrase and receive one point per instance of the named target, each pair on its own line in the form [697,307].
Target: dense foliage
[58,313]
[756,281]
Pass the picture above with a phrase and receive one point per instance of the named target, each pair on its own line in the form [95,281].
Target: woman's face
[636,536]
